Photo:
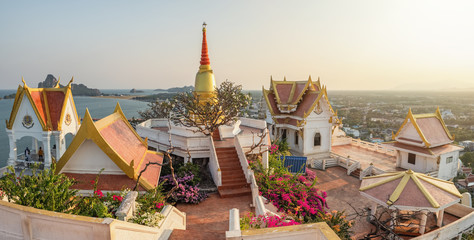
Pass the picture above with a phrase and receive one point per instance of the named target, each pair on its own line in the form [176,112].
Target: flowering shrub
[250,221]
[99,205]
[337,221]
[149,206]
[43,189]
[186,192]
[292,195]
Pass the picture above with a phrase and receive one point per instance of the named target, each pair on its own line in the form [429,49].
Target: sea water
[98,108]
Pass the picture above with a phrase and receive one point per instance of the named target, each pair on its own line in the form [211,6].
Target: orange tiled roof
[431,130]
[48,104]
[119,141]
[294,99]
[410,189]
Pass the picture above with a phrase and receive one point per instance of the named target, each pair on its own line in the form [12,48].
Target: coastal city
[258,153]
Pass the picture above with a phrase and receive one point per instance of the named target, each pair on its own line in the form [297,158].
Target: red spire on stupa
[204,54]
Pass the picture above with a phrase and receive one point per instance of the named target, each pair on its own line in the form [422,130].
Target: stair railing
[353,167]
[242,158]
[366,172]
[214,164]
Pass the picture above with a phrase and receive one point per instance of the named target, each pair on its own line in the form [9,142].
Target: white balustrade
[214,164]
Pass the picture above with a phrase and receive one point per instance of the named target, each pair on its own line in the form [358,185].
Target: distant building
[353,132]
[424,144]
[300,113]
[467,144]
[447,114]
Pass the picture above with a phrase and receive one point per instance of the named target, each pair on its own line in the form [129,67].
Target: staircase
[215,135]
[233,178]
[356,173]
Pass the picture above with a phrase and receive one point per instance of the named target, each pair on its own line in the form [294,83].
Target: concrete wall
[20,222]
[448,170]
[422,164]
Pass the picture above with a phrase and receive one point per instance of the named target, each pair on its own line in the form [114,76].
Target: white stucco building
[300,112]
[424,144]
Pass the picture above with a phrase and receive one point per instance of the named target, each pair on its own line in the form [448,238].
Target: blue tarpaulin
[294,164]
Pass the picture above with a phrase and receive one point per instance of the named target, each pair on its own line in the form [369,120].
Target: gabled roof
[49,105]
[118,140]
[295,100]
[408,189]
[430,128]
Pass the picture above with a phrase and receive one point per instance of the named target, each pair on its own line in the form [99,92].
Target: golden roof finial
[24,83]
[284,78]
[72,80]
[57,84]
[309,79]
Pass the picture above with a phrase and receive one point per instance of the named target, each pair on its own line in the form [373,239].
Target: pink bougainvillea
[265,221]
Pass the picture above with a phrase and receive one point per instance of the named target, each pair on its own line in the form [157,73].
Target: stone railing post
[127,207]
[234,225]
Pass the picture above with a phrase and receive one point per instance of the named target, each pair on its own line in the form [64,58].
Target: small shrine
[410,191]
[110,144]
[300,113]
[46,115]
[424,144]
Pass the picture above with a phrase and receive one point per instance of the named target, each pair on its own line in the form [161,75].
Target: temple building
[223,151]
[110,144]
[424,144]
[300,113]
[46,115]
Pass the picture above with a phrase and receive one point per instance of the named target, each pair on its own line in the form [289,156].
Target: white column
[13,151]
[394,217]
[423,221]
[57,142]
[34,145]
[47,147]
[440,214]
[373,210]
[265,159]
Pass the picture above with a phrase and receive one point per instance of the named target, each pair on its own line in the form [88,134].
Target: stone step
[179,234]
[233,167]
[235,185]
[234,180]
[225,193]
[232,174]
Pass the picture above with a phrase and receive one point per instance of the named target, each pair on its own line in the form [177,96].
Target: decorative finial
[284,78]
[23,80]
[72,80]
[204,53]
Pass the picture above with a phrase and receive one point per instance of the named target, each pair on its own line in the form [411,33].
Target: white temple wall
[74,125]
[24,109]
[89,158]
[422,164]
[448,170]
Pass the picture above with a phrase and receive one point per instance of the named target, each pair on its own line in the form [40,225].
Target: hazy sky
[351,45]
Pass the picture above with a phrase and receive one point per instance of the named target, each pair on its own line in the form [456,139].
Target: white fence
[347,163]
[21,222]
[214,164]
[376,147]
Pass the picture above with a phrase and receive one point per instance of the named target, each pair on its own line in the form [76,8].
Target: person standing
[27,154]
[40,154]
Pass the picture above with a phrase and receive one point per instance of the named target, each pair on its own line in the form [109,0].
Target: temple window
[296,138]
[411,158]
[449,159]
[317,139]
[283,135]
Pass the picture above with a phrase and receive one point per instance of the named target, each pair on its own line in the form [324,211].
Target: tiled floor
[210,218]
[365,157]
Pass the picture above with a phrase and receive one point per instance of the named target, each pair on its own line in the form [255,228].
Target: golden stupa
[205,84]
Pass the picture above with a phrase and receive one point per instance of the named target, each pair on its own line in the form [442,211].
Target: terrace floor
[366,157]
[210,218]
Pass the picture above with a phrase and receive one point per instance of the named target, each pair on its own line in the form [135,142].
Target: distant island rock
[77,89]
[135,91]
[177,89]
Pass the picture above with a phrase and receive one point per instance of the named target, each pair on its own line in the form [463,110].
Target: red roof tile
[119,136]
[433,131]
[428,151]
[38,100]
[55,104]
